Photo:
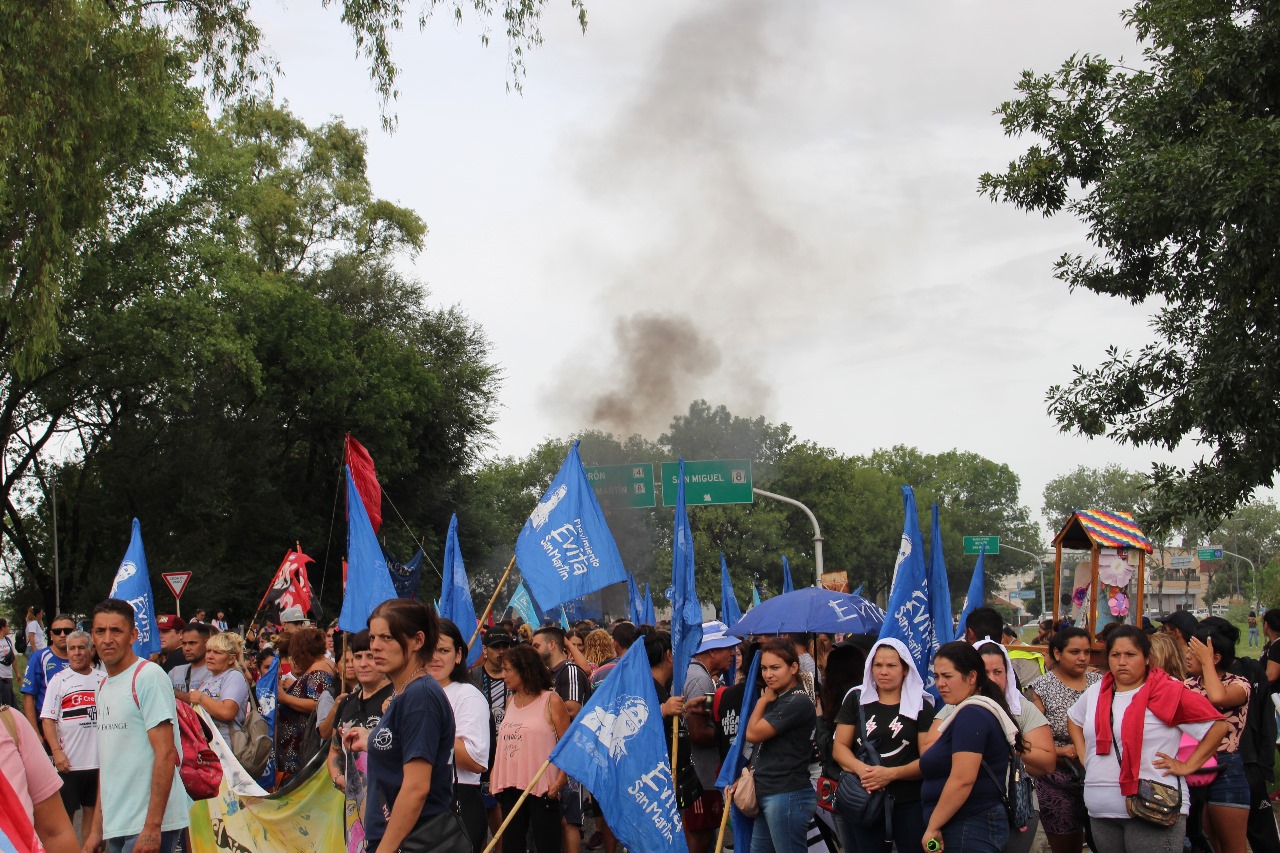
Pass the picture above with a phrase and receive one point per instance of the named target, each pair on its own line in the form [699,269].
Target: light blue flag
[686,612]
[730,612]
[907,618]
[455,593]
[976,595]
[368,581]
[133,584]
[755,595]
[939,588]
[616,747]
[734,760]
[635,601]
[522,603]
[565,549]
[787,585]
[265,692]
[650,616]
[858,591]
[564,620]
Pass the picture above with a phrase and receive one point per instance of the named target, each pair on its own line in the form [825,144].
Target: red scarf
[1170,700]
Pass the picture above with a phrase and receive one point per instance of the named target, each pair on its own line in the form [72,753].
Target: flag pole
[675,743]
[724,818]
[536,776]
[489,607]
[253,623]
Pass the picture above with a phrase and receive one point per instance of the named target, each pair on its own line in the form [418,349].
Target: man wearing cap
[1180,625]
[292,618]
[496,641]
[170,656]
[570,682]
[710,661]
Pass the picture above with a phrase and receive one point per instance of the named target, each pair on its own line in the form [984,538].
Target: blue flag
[635,601]
[522,603]
[565,549]
[907,618]
[686,612]
[133,584]
[368,581]
[755,594]
[455,594]
[734,760]
[730,613]
[406,577]
[939,588]
[858,591]
[564,620]
[787,585]
[976,595]
[617,748]
[265,692]
[649,616]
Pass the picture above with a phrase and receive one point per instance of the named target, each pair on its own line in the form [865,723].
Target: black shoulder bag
[1155,802]
[856,804]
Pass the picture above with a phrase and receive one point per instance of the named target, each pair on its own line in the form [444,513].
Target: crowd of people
[1167,745]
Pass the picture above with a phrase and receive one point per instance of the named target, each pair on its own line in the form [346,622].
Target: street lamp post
[1040,566]
[817,533]
[1252,571]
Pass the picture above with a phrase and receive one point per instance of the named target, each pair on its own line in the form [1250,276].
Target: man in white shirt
[69,719]
[8,654]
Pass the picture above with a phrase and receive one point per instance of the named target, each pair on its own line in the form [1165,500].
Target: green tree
[1171,166]
[1111,488]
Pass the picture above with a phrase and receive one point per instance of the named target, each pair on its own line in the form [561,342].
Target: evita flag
[133,584]
[909,616]
[565,550]
[455,593]
[616,747]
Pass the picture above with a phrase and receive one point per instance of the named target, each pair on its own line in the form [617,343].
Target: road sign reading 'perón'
[973,545]
[629,485]
[176,581]
[710,481]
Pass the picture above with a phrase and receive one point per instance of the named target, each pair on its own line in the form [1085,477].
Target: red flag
[290,587]
[490,617]
[366,478]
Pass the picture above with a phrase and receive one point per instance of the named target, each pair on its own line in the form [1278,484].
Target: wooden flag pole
[675,743]
[489,607]
[724,818]
[536,776]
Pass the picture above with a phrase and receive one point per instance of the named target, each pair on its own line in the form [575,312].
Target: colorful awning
[1107,529]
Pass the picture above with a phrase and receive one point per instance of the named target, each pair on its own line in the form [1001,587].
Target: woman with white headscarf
[1039,756]
[895,718]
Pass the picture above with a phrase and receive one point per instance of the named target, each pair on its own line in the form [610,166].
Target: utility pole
[57,574]
[1253,571]
[817,533]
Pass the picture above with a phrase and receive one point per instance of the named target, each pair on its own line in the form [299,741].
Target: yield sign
[176,581]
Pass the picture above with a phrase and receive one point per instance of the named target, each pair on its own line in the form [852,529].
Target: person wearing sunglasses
[43,666]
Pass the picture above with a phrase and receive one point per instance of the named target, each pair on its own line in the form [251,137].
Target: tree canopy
[1172,166]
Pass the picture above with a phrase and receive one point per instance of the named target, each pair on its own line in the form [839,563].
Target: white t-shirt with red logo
[69,702]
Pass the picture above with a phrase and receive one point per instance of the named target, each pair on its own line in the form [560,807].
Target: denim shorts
[1230,789]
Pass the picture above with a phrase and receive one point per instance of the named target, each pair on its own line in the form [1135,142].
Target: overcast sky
[770,205]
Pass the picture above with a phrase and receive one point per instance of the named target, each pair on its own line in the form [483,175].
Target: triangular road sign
[176,581]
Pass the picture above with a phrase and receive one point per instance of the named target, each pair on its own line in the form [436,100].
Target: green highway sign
[1209,553]
[711,481]
[973,545]
[623,485]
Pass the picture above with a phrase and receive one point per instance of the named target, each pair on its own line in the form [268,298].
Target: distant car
[1219,609]
[1200,613]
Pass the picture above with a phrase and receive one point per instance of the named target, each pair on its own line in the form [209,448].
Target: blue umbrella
[811,609]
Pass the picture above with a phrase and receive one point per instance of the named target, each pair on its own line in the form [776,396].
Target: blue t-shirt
[972,729]
[417,724]
[41,669]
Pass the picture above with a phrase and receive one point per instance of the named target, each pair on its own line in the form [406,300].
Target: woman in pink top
[534,721]
[32,786]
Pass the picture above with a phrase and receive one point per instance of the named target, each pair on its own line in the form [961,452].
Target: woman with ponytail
[963,807]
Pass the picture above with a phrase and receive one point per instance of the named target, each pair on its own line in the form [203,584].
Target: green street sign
[623,485]
[1209,554]
[712,481]
[973,545]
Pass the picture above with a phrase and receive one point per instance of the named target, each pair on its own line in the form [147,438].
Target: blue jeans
[985,832]
[124,843]
[908,829]
[784,822]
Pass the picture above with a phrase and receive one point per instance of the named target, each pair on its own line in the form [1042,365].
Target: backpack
[20,642]
[252,744]
[198,765]
[1015,793]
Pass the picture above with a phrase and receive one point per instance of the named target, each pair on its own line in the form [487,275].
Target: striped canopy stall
[1093,530]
